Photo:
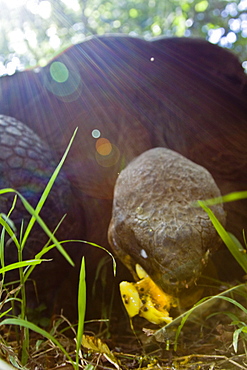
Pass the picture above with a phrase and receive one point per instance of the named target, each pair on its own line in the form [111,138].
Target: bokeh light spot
[59,72]
[96,133]
[133,13]
[201,6]
[103,146]
[108,160]
[65,84]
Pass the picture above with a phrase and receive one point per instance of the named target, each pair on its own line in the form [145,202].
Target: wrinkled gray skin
[153,220]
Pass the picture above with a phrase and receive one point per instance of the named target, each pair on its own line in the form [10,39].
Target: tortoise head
[155,223]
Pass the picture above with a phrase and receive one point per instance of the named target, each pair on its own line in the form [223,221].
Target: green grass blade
[234,246]
[234,302]
[46,230]
[38,256]
[81,309]
[239,252]
[236,334]
[43,251]
[10,231]
[34,214]
[48,189]
[2,314]
[2,248]
[104,249]
[185,317]
[35,328]
[21,264]
[25,346]
[199,305]
[238,195]
[93,245]
[89,367]
[11,225]
[231,315]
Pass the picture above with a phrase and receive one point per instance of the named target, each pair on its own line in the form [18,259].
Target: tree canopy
[33,31]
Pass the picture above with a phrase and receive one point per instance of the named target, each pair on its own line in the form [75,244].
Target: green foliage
[35,212]
[21,321]
[26,324]
[9,228]
[231,197]
[33,33]
[203,305]
[232,243]
[81,310]
[239,253]
[241,330]
[242,326]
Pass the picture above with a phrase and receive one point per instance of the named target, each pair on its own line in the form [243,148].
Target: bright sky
[17,37]
[41,8]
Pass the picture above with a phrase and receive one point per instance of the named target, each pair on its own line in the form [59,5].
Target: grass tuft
[26,268]
[232,243]
[239,253]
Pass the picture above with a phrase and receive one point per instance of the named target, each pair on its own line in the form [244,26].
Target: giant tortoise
[126,95]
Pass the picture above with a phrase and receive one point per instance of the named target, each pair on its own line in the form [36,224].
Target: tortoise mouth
[172,285]
[176,278]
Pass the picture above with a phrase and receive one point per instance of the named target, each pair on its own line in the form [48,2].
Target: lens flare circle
[64,83]
[59,72]
[96,133]
[107,160]
[103,146]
